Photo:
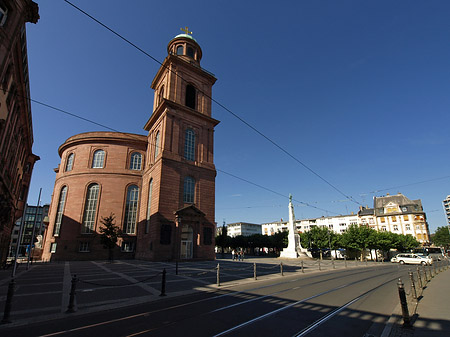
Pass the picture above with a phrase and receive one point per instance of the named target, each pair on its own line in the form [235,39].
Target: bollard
[431,274]
[434,268]
[419,278]
[254,270]
[319,265]
[303,270]
[281,268]
[163,283]
[345,262]
[8,303]
[334,266]
[404,304]
[176,268]
[413,286]
[366,261]
[73,288]
[425,275]
[218,274]
[356,262]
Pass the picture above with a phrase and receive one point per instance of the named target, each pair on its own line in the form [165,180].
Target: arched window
[90,209]
[189,190]
[157,144]
[60,211]
[69,163]
[131,208]
[180,50]
[161,95]
[136,161]
[189,145]
[149,206]
[190,96]
[190,52]
[98,159]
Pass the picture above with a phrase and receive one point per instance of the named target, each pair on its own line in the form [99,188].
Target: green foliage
[109,234]
[442,237]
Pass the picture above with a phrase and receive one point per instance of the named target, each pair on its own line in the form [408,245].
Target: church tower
[176,218]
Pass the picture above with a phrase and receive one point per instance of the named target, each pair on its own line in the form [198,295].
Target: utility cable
[219,104]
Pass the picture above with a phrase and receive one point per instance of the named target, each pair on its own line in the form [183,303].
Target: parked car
[409,258]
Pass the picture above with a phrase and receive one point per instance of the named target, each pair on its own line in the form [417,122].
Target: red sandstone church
[160,187]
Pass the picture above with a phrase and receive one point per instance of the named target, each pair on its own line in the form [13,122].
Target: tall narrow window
[90,209]
[189,190]
[189,145]
[99,159]
[135,161]
[60,211]
[69,164]
[149,206]
[157,143]
[190,96]
[190,52]
[180,50]
[131,207]
[161,95]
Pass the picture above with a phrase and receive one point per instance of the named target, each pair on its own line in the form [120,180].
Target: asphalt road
[341,302]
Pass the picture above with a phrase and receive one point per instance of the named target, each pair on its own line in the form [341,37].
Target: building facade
[16,129]
[243,228]
[160,187]
[446,204]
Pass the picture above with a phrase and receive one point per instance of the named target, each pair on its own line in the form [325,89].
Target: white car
[408,258]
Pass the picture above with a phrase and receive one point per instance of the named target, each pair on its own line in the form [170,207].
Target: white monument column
[294,248]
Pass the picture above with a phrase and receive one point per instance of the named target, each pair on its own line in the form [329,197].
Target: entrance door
[186,251]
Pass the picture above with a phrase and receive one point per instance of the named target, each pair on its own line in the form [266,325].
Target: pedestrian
[233,253]
[239,256]
[242,255]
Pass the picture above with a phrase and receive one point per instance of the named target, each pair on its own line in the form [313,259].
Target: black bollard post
[73,288]
[434,268]
[303,270]
[404,304]
[430,270]
[254,270]
[176,268]
[281,268]
[218,274]
[320,268]
[413,286]
[345,262]
[8,303]
[419,278]
[163,283]
[425,275]
[366,261]
[356,261]
[332,261]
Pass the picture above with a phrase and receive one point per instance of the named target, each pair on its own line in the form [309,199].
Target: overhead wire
[219,104]
[160,147]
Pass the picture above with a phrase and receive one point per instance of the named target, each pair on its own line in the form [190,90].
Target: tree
[109,235]
[317,238]
[442,237]
[357,238]
[222,240]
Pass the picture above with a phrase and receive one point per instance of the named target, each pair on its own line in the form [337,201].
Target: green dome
[185,35]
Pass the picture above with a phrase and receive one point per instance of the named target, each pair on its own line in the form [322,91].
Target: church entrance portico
[186,251]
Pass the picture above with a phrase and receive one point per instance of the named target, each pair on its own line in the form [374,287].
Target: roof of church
[185,35]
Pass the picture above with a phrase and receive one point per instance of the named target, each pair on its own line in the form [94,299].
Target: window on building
[98,159]
[189,190]
[408,227]
[3,14]
[405,217]
[166,233]
[180,50]
[190,52]
[207,236]
[84,247]
[157,144]
[394,219]
[404,209]
[131,207]
[136,161]
[189,145]
[149,206]
[383,220]
[69,163]
[190,96]
[90,209]
[383,228]
[53,247]
[127,247]
[60,211]
[161,94]
[395,227]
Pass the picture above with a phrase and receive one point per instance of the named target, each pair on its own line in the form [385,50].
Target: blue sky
[358,91]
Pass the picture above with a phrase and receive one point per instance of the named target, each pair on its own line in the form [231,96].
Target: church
[160,187]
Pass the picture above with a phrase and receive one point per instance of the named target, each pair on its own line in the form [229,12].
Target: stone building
[160,187]
[16,129]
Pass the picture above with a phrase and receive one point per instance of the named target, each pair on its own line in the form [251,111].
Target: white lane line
[67,283]
[278,310]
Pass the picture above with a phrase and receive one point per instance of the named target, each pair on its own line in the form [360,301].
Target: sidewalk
[432,317]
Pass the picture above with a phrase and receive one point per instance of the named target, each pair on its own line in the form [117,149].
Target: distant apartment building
[34,217]
[392,213]
[16,129]
[446,204]
[243,228]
